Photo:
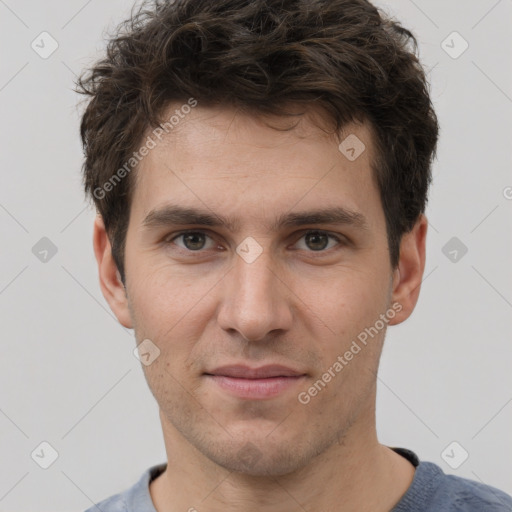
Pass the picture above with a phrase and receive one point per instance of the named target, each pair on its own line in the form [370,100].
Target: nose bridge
[255,302]
[255,278]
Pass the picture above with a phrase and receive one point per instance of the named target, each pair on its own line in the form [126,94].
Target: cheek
[348,301]
[163,293]
[170,312]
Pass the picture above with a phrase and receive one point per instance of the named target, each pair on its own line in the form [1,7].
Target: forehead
[229,125]
[221,159]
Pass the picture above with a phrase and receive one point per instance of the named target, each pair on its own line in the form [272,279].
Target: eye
[192,240]
[318,241]
[314,241]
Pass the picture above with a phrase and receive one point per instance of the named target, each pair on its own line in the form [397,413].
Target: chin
[266,466]
[261,457]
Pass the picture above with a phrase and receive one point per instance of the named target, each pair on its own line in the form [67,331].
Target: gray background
[68,375]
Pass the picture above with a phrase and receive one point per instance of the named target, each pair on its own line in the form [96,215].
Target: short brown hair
[345,57]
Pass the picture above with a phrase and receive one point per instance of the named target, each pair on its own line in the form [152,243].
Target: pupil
[189,237]
[315,241]
[314,237]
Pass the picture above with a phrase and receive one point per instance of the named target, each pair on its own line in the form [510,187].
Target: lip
[255,383]
[240,371]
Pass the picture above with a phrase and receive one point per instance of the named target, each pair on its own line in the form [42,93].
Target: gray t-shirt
[430,491]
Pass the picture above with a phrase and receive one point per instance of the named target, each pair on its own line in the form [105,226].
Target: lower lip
[255,388]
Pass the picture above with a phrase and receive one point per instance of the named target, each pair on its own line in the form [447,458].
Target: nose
[256,299]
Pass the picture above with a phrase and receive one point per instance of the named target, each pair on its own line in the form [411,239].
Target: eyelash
[340,241]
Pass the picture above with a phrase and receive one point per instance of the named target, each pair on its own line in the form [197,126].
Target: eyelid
[340,239]
[170,238]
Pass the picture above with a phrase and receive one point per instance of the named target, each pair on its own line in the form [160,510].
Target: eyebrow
[174,215]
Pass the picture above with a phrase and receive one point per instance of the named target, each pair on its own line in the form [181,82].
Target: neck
[355,474]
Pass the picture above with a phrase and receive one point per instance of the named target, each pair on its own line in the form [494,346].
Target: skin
[293,305]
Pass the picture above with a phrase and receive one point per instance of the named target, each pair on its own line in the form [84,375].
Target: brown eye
[318,241]
[192,241]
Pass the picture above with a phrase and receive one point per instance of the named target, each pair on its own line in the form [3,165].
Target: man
[260,171]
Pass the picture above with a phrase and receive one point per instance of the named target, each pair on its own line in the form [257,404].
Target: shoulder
[134,499]
[116,503]
[471,496]
[457,494]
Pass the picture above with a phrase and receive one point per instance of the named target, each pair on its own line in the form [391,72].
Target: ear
[110,280]
[407,277]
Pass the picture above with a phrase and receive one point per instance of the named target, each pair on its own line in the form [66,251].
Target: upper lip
[245,372]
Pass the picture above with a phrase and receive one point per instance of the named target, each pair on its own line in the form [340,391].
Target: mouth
[255,383]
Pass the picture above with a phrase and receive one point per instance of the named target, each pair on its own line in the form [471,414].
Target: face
[269,313]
